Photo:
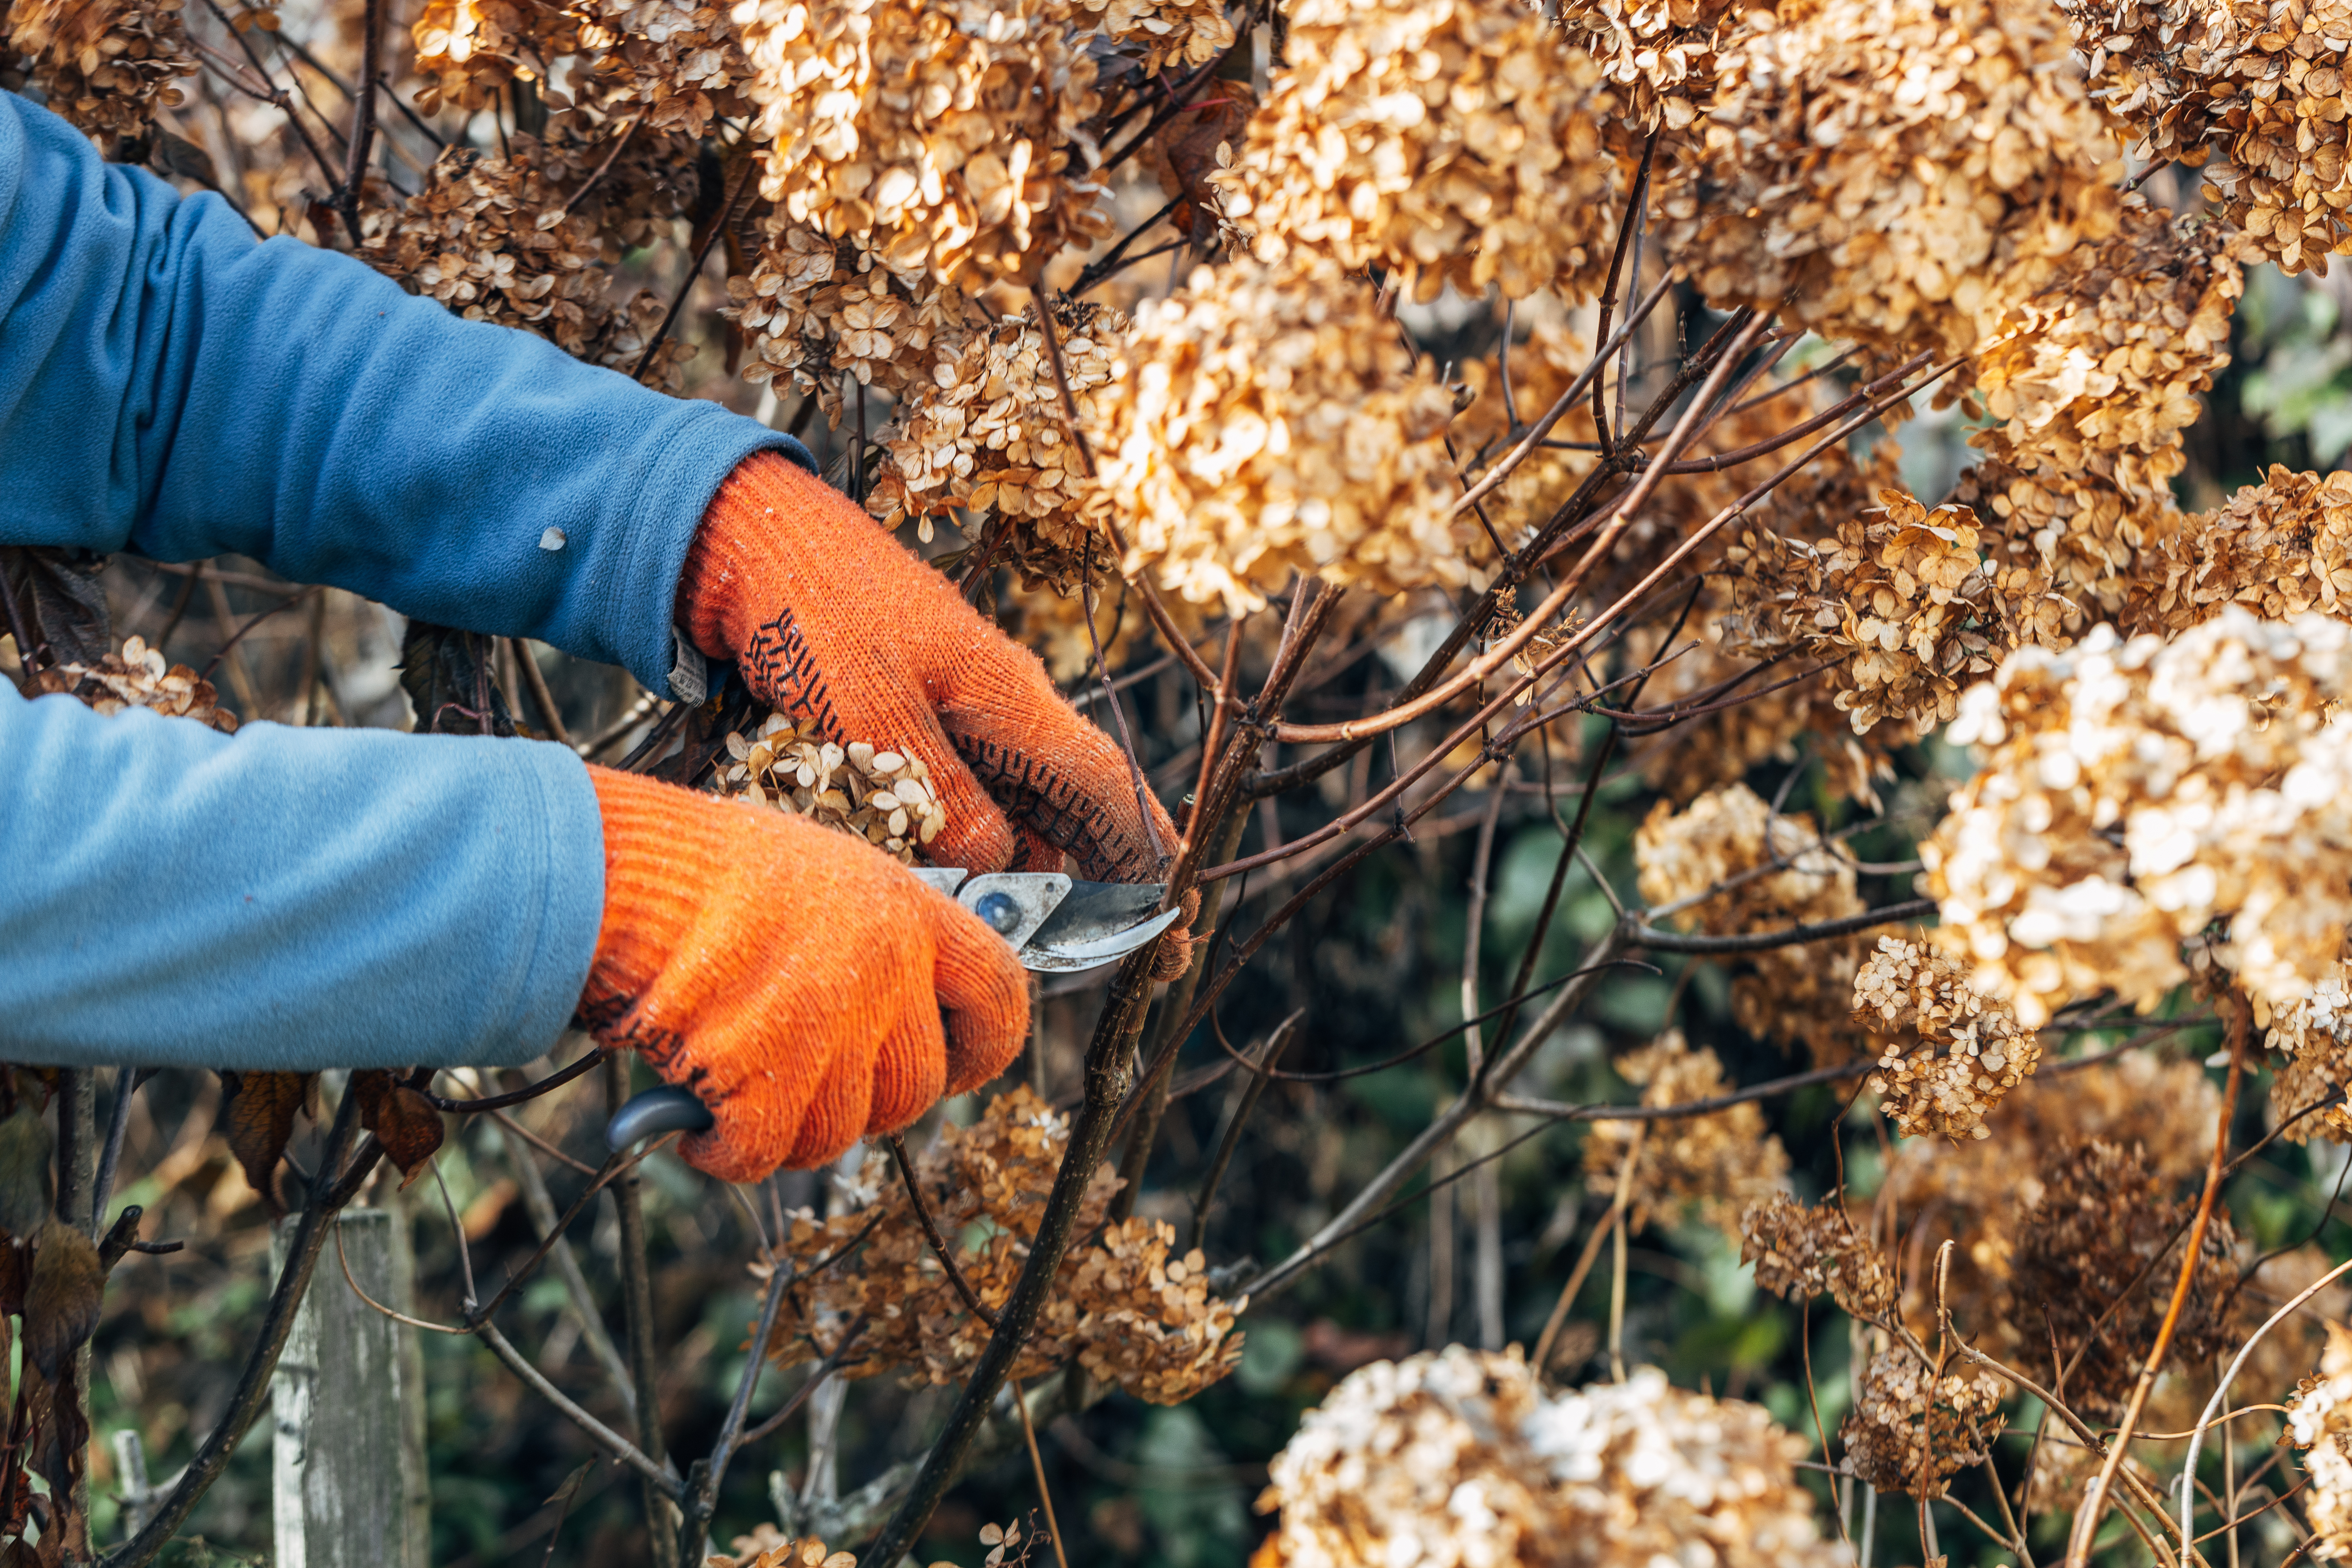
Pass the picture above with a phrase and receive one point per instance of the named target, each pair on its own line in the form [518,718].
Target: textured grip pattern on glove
[792,977]
[833,622]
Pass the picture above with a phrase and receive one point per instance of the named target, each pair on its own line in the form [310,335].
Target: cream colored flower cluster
[2251,89]
[1274,423]
[1800,1252]
[1457,1458]
[1125,1305]
[1774,873]
[2320,1425]
[1903,604]
[885,797]
[2132,792]
[492,239]
[1456,141]
[1901,171]
[950,134]
[1970,1051]
[106,65]
[1911,1432]
[989,435]
[1713,1165]
[138,677]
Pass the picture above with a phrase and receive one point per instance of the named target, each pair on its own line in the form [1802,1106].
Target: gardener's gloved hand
[793,977]
[834,622]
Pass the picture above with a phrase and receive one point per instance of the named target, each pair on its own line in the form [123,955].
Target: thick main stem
[1108,1070]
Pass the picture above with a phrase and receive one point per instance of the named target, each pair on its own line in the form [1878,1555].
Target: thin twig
[661,1478]
[1266,1056]
[1037,1467]
[964,1292]
[1601,1231]
[590,184]
[713,1470]
[469,1105]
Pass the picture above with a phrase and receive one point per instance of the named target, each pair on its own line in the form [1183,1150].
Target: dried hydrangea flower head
[1948,1053]
[1661,56]
[1774,872]
[1713,1165]
[1911,1432]
[2109,357]
[2315,1034]
[1905,604]
[1972,1193]
[2248,89]
[1455,141]
[468,51]
[989,437]
[2320,1425]
[138,677]
[1188,32]
[105,64]
[2132,792]
[884,796]
[768,1547]
[1890,179]
[2102,1218]
[2280,548]
[1126,1306]
[2077,533]
[1801,1252]
[814,308]
[495,240]
[674,66]
[1274,423]
[949,134]
[1457,1458]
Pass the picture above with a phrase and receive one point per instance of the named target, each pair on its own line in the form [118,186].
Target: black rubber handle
[655,1112]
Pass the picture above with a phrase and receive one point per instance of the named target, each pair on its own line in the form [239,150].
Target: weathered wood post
[349,1398]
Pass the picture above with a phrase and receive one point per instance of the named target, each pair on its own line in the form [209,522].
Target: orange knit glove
[791,976]
[834,622]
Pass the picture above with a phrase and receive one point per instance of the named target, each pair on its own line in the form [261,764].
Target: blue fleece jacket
[308,897]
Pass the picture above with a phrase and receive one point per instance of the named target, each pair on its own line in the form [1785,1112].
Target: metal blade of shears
[1055,924]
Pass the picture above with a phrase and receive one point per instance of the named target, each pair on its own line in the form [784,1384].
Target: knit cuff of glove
[655,855]
[767,524]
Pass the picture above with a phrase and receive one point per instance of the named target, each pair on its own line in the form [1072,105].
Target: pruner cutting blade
[1053,923]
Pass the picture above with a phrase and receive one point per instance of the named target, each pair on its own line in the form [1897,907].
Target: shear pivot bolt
[1000,910]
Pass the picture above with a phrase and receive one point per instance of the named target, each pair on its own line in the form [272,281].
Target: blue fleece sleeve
[287,899]
[170,386]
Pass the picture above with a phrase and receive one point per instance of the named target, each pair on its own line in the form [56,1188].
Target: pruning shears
[1055,924]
